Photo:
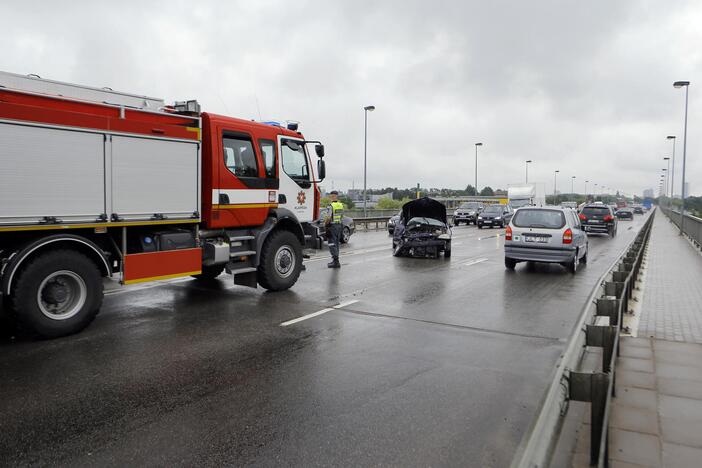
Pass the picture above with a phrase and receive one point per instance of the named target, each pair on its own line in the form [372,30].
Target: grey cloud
[584,87]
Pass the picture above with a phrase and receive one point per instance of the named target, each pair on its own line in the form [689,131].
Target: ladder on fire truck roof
[37,85]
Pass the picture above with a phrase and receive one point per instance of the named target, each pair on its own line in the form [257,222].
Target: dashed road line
[318,313]
[476,261]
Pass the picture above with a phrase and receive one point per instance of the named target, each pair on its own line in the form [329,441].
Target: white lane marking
[305,317]
[318,313]
[475,261]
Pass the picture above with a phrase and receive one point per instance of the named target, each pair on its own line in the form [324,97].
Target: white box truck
[526,195]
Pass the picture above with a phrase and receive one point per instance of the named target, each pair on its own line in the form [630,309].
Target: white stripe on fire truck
[248,196]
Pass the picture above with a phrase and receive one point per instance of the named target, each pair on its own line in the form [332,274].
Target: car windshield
[493,209]
[595,211]
[548,219]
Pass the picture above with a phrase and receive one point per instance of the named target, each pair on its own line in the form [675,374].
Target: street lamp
[672,175]
[572,183]
[555,173]
[366,110]
[527,170]
[586,189]
[686,84]
[667,173]
[476,167]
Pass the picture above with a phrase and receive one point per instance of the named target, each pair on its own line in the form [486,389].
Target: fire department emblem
[301,198]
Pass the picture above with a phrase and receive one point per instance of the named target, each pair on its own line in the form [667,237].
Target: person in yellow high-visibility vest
[334,227]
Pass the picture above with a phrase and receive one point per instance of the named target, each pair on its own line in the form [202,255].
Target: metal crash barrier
[381,222]
[610,299]
[692,227]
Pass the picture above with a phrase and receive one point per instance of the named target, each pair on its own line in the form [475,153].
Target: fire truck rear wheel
[57,293]
[210,272]
[281,261]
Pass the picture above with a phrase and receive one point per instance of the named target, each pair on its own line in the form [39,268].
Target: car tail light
[608,218]
[567,236]
[508,233]
[582,217]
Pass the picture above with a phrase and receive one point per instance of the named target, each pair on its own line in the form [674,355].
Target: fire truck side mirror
[319,149]
[321,168]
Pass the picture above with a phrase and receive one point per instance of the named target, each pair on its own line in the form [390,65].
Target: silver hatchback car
[548,235]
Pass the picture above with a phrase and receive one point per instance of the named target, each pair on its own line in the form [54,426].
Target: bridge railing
[692,226]
[570,382]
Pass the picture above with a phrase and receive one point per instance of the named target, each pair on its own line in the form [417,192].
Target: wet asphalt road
[439,362]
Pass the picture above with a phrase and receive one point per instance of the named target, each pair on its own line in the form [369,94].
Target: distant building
[356,195]
[648,193]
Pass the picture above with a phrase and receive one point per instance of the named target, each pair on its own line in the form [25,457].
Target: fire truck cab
[96,183]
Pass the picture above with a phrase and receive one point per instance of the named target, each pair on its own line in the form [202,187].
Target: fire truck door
[296,178]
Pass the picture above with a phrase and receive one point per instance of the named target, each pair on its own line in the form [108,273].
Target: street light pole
[586,189]
[476,167]
[555,173]
[572,184]
[672,175]
[366,110]
[667,176]
[527,170]
[686,84]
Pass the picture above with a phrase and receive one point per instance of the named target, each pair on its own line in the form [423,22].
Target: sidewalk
[657,415]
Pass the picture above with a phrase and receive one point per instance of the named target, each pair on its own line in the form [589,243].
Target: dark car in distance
[625,213]
[467,213]
[598,218]
[392,222]
[638,209]
[349,227]
[495,215]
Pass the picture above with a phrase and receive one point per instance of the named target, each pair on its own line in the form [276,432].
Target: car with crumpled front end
[598,218]
[467,213]
[422,230]
[545,235]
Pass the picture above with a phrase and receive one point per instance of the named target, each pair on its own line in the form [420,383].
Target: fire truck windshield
[294,159]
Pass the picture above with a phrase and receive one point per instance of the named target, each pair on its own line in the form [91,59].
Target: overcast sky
[580,86]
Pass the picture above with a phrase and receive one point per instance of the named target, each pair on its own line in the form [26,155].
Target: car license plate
[540,240]
[596,221]
[487,221]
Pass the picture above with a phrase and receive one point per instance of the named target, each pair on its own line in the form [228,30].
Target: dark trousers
[335,230]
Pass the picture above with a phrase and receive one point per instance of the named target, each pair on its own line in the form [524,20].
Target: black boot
[334,264]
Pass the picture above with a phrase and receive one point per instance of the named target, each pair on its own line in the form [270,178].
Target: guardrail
[692,227]
[381,222]
[610,298]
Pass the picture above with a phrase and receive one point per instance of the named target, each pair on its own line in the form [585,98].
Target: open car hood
[424,208]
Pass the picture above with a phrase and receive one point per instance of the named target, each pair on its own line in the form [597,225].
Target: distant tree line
[410,193]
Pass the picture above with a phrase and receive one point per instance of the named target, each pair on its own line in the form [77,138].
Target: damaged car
[422,230]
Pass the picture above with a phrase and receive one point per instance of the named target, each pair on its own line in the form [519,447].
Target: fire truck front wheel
[280,262]
[57,293]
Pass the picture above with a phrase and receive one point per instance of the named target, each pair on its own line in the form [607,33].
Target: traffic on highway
[348,360]
[343,234]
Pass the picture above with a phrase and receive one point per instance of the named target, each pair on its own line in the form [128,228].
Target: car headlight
[497,217]
[444,237]
[480,217]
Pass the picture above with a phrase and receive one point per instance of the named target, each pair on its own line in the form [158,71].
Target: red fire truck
[97,183]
